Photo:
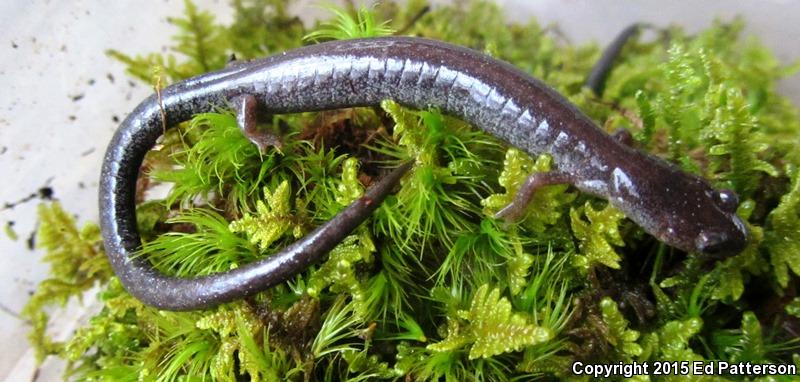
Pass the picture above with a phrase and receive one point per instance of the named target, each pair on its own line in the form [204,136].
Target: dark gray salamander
[596,80]
[679,209]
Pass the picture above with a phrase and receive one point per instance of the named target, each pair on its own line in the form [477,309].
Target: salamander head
[680,209]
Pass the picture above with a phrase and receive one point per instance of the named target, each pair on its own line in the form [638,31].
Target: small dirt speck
[14,45]
[43,193]
[110,77]
[115,119]
[72,117]
[31,240]
[46,193]
[76,97]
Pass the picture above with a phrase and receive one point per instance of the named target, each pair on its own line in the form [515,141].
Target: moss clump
[432,286]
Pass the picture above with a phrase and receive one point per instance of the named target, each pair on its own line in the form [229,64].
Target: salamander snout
[723,242]
[700,220]
[723,239]
[710,242]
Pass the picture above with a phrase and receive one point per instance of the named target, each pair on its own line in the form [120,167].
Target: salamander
[596,80]
[680,209]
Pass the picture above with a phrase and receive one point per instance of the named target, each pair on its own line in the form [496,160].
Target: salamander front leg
[246,107]
[516,209]
[622,135]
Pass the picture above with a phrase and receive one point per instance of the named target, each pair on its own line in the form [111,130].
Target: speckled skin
[680,209]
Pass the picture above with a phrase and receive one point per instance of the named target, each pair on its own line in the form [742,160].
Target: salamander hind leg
[516,209]
[233,62]
[246,107]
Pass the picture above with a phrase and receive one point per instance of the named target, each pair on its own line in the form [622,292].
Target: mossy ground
[431,286]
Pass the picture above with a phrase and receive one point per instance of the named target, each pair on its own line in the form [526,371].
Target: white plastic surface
[59,93]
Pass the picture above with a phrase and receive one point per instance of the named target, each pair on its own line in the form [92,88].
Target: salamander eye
[727,200]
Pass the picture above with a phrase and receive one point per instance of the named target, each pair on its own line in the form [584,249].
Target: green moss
[598,236]
[212,156]
[492,327]
[431,286]
[547,205]
[784,221]
[619,335]
[345,27]
[77,263]
[272,219]
[751,344]
[9,231]
[211,247]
